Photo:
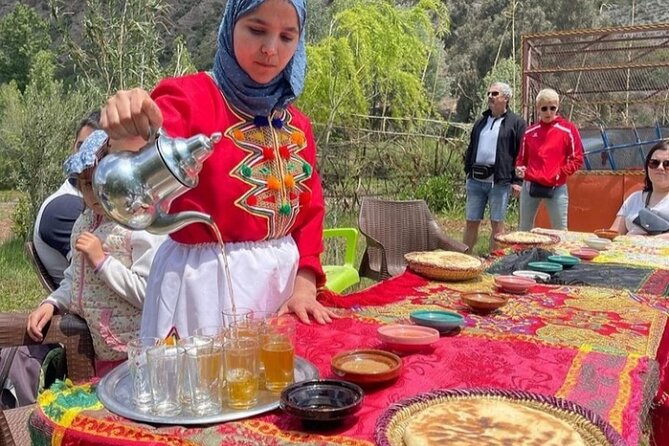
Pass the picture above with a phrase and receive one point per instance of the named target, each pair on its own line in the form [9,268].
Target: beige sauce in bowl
[364,365]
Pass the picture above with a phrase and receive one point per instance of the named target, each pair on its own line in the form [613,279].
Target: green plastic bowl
[545,267]
[565,261]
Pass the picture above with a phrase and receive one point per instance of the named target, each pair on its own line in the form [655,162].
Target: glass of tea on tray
[277,352]
[241,371]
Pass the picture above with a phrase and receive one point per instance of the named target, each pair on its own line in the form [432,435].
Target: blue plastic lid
[565,260]
[437,319]
[546,267]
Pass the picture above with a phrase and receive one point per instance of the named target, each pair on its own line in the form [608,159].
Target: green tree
[374,61]
[36,131]
[23,33]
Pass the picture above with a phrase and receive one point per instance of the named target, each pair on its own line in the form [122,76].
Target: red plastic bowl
[607,233]
[585,253]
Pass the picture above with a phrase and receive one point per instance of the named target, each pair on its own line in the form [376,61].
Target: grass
[20,289]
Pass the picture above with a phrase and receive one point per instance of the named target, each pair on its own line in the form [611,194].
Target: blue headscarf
[239,89]
[88,154]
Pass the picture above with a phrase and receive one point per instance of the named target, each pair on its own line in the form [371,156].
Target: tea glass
[217,333]
[250,329]
[139,372]
[277,352]
[165,363]
[201,343]
[234,315]
[241,366]
[203,365]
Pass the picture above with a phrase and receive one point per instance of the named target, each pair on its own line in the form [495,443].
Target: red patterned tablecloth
[595,347]
[638,250]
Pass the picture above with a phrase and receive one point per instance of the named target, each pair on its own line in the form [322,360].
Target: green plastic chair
[341,277]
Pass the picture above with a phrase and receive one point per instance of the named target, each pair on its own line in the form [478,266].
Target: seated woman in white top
[654,196]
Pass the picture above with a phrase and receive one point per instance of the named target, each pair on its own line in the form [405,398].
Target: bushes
[36,129]
[444,193]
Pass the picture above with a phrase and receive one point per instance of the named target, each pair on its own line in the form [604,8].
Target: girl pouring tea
[260,185]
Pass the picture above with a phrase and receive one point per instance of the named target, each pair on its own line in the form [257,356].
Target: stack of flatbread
[489,422]
[524,237]
[444,265]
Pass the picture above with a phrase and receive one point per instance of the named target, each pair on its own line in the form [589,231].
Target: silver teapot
[136,188]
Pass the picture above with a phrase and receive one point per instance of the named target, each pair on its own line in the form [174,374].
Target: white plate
[532,275]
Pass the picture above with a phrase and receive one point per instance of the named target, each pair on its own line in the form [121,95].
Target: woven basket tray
[441,273]
[594,431]
[504,244]
[434,272]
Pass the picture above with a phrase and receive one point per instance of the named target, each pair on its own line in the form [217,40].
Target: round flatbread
[444,259]
[485,421]
[524,237]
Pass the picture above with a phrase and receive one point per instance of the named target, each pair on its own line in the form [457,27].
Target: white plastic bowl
[598,243]
[536,275]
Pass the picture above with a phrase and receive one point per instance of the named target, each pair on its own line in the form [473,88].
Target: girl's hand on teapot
[129,114]
[91,247]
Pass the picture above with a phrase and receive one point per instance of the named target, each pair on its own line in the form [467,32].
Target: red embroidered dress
[260,185]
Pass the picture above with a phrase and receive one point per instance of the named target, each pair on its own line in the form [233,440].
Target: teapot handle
[154,134]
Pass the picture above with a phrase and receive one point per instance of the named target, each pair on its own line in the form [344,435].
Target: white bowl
[598,243]
[536,275]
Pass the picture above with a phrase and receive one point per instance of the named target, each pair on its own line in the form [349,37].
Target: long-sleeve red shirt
[551,152]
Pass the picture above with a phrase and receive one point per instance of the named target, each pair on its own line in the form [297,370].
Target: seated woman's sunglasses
[654,164]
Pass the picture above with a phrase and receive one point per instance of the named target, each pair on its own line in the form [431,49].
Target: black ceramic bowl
[321,399]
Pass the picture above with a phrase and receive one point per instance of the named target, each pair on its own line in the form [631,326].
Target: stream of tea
[228,278]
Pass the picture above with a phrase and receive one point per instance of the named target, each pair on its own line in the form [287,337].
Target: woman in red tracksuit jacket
[551,150]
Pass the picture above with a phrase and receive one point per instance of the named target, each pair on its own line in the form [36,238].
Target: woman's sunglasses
[545,108]
[493,93]
[654,164]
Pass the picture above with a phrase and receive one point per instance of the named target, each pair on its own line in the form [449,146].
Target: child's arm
[58,300]
[130,283]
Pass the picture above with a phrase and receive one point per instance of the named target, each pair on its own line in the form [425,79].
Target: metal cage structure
[613,82]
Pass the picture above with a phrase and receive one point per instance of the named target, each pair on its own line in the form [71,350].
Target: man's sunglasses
[654,164]
[545,108]
[493,93]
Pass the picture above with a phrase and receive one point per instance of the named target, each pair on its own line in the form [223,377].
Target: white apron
[188,289]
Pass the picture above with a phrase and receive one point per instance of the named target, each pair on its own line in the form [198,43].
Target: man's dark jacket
[511,132]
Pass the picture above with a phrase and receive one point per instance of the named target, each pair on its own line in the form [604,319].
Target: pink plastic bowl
[404,337]
[514,284]
[585,253]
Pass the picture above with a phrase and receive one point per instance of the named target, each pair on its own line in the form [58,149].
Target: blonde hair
[547,95]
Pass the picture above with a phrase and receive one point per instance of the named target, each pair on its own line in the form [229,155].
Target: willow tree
[376,65]
[375,61]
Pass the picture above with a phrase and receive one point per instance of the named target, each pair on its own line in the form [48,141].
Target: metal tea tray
[114,391]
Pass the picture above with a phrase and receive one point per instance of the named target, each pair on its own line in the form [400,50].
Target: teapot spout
[168,223]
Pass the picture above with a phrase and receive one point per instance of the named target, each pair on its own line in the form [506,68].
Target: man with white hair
[489,164]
